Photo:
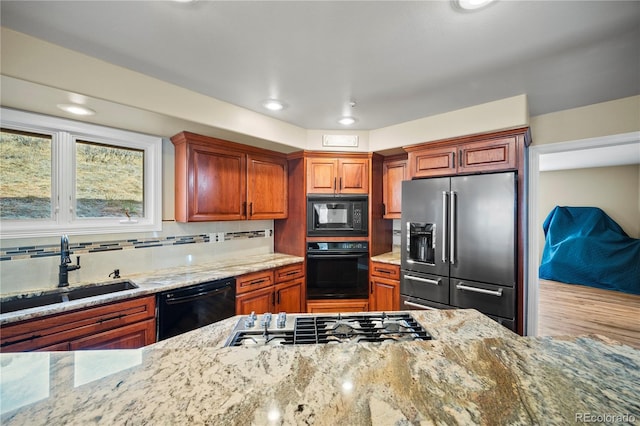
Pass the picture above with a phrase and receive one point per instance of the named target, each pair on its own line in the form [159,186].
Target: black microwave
[337,215]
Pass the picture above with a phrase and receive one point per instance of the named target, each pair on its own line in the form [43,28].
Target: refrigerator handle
[444,226]
[452,232]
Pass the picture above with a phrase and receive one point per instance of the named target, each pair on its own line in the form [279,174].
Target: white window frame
[64,134]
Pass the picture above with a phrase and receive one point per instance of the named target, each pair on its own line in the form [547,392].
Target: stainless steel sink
[17,303]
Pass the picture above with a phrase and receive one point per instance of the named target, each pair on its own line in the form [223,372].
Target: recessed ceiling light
[347,121]
[473,4]
[76,109]
[273,105]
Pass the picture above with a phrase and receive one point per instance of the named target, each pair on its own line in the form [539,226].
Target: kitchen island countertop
[474,372]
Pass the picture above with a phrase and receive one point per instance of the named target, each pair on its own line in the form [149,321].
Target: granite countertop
[475,372]
[392,257]
[160,280]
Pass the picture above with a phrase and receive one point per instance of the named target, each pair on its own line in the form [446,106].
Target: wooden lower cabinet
[384,290]
[132,336]
[128,324]
[258,301]
[385,294]
[275,290]
[337,306]
[289,296]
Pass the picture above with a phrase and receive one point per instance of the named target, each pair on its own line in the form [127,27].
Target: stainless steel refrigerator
[459,244]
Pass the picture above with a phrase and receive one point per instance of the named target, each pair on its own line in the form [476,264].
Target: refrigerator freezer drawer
[424,286]
[488,299]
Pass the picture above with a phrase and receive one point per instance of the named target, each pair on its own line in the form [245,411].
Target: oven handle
[336,255]
[417,305]
[175,300]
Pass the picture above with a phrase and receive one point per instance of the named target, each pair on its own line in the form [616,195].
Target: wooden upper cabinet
[353,176]
[322,176]
[221,180]
[497,151]
[216,184]
[267,188]
[394,171]
[432,162]
[337,175]
[493,154]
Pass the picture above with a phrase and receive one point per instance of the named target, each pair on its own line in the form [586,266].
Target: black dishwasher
[188,308]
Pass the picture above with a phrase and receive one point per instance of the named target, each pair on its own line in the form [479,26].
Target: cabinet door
[216,184]
[259,301]
[266,187]
[322,176]
[353,176]
[289,296]
[432,162]
[393,173]
[482,156]
[131,336]
[385,294]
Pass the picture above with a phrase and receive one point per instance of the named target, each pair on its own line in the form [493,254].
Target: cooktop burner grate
[329,329]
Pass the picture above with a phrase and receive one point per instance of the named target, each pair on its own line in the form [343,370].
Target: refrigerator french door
[459,242]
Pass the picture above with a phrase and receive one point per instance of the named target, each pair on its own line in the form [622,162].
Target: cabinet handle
[26,339]
[278,297]
[334,183]
[384,209]
[340,184]
[453,159]
[257,281]
[460,158]
[383,271]
[290,273]
[273,303]
[244,208]
[371,287]
[100,321]
[251,208]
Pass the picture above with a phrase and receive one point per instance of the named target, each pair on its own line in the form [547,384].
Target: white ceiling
[398,60]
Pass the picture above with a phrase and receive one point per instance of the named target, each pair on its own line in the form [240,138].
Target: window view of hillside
[109,180]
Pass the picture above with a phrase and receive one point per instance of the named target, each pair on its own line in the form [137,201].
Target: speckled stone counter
[392,257]
[494,378]
[162,280]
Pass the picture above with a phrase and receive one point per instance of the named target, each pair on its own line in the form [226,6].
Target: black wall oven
[338,270]
[337,215]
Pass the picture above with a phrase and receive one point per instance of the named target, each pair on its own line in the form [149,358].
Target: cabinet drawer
[486,298]
[385,270]
[424,286]
[51,330]
[290,272]
[337,306]
[254,281]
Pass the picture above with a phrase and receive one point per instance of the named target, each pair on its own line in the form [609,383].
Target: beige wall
[603,119]
[616,190]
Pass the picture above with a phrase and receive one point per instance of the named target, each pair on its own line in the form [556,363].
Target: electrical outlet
[220,237]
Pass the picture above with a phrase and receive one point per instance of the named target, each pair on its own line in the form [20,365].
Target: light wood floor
[568,309]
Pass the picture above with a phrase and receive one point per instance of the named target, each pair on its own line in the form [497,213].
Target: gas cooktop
[319,329]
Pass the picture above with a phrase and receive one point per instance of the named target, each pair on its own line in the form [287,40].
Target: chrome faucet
[65,260]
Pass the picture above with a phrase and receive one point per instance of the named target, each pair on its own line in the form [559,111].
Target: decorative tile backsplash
[36,251]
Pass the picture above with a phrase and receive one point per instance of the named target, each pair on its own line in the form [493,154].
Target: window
[63,176]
